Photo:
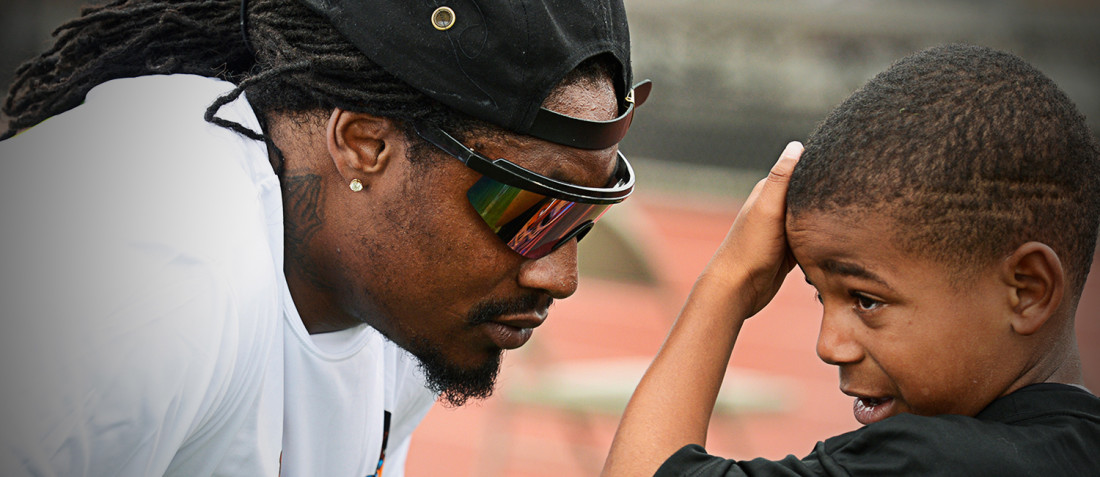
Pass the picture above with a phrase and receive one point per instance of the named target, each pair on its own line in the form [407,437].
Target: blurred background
[734,81]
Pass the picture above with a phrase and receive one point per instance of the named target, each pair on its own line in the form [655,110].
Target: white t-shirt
[145,324]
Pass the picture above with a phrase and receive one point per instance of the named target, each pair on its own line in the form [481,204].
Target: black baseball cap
[496,60]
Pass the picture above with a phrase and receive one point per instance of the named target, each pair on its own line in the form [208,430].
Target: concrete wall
[735,80]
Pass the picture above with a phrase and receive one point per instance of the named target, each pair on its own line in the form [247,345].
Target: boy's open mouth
[868,410]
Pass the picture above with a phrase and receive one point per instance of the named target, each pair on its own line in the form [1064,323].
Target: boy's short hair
[971,151]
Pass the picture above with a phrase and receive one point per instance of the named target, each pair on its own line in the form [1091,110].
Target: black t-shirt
[1040,430]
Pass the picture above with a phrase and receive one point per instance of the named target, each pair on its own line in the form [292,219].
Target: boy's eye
[866,304]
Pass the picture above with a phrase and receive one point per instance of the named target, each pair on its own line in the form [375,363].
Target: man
[245,231]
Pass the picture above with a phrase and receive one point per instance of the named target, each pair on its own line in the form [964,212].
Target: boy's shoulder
[1039,428]
[1043,401]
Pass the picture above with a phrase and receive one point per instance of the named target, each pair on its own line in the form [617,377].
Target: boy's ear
[361,145]
[1034,273]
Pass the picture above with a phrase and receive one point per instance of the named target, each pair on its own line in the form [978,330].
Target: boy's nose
[835,342]
[556,273]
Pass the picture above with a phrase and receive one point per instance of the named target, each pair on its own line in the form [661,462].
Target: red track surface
[608,320]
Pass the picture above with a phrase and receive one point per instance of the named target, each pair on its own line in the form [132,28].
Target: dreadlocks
[295,62]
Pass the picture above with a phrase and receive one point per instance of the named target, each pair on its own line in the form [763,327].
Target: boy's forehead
[846,243]
[868,245]
[839,224]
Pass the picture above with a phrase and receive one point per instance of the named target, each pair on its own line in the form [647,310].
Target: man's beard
[455,384]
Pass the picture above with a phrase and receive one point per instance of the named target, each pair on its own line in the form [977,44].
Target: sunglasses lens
[531,224]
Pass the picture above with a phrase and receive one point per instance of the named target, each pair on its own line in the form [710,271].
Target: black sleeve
[693,460]
[911,445]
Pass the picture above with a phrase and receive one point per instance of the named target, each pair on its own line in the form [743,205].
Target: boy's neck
[1065,365]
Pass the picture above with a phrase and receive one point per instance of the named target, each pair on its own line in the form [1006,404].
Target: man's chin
[454,384]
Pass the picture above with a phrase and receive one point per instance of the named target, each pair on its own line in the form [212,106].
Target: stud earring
[355,185]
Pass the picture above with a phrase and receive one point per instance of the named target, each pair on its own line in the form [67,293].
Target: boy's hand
[740,279]
[754,258]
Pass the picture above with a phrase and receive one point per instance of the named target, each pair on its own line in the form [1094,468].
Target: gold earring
[356,186]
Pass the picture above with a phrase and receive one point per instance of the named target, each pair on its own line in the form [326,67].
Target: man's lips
[513,331]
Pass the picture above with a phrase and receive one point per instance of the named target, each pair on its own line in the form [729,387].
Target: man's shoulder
[149,119]
[182,91]
[139,182]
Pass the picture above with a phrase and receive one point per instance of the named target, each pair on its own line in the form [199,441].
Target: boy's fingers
[781,171]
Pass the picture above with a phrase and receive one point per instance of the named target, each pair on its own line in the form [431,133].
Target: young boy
[947,215]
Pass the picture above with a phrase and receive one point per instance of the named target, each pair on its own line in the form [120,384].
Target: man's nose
[556,272]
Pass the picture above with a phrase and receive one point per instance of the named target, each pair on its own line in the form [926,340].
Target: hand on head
[754,257]
[740,279]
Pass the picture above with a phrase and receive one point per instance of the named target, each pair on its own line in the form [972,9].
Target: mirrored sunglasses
[531,213]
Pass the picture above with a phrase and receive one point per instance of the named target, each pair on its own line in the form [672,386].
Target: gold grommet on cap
[443,18]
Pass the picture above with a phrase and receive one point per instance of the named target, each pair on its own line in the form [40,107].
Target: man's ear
[1034,273]
[360,144]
